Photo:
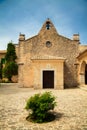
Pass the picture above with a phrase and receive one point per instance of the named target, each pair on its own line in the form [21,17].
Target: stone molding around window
[48,44]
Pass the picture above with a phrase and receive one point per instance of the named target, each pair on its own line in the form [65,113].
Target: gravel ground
[71,109]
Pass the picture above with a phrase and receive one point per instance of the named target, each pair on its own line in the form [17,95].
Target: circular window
[48,44]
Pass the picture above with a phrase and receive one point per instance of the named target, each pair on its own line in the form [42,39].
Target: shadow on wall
[69,78]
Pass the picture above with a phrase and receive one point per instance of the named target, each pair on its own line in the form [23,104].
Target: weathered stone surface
[60,47]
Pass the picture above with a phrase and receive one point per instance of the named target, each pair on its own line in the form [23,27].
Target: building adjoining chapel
[49,60]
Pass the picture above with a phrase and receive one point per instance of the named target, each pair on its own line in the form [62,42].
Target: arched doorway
[83,73]
[86,74]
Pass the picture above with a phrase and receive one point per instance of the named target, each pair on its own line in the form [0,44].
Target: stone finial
[76,37]
[21,37]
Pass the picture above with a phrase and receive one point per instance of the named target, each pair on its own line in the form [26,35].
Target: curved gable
[47,28]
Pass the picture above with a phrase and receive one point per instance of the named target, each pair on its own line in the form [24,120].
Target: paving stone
[71,109]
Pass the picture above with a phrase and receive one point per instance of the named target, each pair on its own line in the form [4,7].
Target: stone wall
[60,47]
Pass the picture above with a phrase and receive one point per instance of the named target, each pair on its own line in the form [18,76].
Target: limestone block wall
[61,47]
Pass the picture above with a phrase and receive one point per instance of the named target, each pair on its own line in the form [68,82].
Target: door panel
[48,79]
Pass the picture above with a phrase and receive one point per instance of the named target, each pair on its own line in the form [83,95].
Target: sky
[27,17]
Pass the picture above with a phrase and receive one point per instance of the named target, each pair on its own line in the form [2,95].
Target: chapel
[50,60]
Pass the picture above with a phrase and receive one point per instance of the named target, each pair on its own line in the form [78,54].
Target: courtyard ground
[71,109]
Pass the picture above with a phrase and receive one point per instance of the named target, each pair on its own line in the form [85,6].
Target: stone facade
[35,55]
[49,53]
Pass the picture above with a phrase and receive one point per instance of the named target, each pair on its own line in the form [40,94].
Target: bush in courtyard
[40,106]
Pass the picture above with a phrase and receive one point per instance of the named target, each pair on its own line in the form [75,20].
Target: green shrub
[40,105]
[10,69]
